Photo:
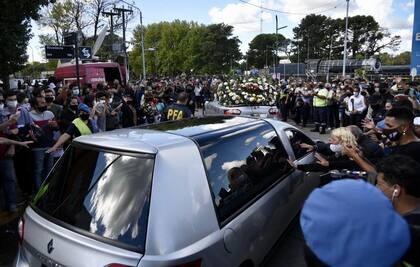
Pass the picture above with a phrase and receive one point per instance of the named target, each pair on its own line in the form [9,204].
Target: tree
[262,49]
[401,59]
[319,36]
[180,46]
[311,32]
[15,28]
[219,50]
[96,7]
[58,18]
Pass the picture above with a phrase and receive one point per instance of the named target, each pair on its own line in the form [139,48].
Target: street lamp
[154,50]
[345,41]
[277,33]
[142,37]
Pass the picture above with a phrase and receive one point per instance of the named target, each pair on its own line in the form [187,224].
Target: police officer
[83,125]
[179,110]
[320,109]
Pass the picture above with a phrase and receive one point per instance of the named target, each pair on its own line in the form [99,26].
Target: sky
[396,15]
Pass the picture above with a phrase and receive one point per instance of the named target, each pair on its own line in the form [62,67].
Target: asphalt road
[287,252]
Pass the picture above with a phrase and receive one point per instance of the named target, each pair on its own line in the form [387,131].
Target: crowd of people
[374,129]
[38,122]
[373,126]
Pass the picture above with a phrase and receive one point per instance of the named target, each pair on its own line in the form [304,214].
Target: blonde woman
[333,157]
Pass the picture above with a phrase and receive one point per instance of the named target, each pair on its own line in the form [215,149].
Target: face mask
[49,99]
[129,102]
[76,92]
[110,100]
[356,93]
[73,107]
[392,134]
[84,117]
[11,104]
[377,89]
[336,148]
[102,101]
[1,106]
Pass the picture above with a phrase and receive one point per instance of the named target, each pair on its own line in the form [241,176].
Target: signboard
[85,52]
[415,52]
[59,51]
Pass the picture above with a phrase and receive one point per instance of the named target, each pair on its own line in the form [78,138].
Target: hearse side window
[241,164]
[296,138]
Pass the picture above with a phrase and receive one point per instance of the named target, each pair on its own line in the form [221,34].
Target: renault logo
[50,246]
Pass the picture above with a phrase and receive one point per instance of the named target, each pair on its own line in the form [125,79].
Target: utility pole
[142,46]
[122,12]
[298,66]
[142,36]
[277,44]
[345,41]
[111,15]
[76,54]
[261,17]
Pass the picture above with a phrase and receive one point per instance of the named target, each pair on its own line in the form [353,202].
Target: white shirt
[358,102]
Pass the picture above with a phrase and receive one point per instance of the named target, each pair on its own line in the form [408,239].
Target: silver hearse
[212,191]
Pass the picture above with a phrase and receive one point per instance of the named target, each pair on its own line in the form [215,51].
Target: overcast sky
[396,15]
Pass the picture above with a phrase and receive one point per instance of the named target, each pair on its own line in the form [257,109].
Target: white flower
[252,99]
[227,88]
[237,102]
[225,83]
[258,100]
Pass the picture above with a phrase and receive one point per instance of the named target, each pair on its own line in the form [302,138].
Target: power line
[286,12]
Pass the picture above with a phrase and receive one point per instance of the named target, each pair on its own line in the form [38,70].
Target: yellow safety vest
[318,102]
[82,127]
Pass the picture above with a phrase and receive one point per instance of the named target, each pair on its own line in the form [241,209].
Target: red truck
[90,73]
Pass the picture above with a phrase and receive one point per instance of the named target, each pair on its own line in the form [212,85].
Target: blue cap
[84,108]
[351,223]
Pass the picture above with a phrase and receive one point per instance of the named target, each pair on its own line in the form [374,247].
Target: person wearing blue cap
[80,126]
[350,223]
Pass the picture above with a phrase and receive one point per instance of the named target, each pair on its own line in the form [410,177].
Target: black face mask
[392,134]
[129,102]
[42,109]
[84,117]
[73,107]
[49,99]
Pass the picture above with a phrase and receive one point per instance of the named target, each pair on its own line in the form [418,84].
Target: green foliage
[319,35]
[180,46]
[400,59]
[262,48]
[15,29]
[34,69]
[58,18]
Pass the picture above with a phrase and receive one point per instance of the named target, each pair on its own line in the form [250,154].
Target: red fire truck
[90,73]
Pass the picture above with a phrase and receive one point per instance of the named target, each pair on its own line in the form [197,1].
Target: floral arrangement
[251,92]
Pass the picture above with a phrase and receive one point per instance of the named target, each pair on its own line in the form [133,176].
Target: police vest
[318,102]
[175,114]
[82,127]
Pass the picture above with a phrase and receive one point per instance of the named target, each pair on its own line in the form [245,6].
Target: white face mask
[102,101]
[377,89]
[356,93]
[110,100]
[76,92]
[1,106]
[336,148]
[11,104]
